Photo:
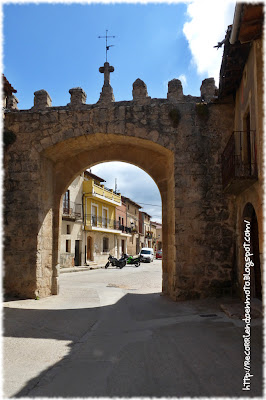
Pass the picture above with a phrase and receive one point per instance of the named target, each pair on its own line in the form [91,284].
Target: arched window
[105,245]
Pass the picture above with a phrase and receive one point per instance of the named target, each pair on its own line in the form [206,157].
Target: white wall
[75,227]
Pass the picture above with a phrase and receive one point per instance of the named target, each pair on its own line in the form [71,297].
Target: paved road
[110,333]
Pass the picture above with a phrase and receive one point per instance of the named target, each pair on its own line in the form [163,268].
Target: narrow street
[111,333]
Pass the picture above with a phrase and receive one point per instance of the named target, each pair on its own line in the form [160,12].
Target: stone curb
[236,310]
[80,269]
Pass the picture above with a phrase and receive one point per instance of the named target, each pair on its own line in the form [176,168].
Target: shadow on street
[143,345]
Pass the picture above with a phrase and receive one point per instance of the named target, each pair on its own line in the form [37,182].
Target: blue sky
[56,47]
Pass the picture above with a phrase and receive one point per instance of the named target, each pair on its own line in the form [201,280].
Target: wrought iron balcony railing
[101,222]
[148,235]
[124,229]
[72,210]
[92,189]
[239,162]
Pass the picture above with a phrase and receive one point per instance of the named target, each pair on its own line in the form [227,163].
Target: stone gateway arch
[178,141]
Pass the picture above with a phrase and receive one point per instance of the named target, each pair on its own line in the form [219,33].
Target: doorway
[89,248]
[77,259]
[123,246]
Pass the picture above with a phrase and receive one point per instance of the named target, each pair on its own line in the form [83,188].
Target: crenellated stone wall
[177,140]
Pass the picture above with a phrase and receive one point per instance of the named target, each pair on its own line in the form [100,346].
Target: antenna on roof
[115,185]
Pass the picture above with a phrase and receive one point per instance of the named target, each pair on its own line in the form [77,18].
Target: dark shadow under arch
[249,214]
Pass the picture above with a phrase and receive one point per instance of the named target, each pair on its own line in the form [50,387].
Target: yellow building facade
[100,225]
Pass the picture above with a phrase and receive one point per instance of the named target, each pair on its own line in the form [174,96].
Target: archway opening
[66,160]
[115,208]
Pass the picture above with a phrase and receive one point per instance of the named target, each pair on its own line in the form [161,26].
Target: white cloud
[208,23]
[183,79]
[132,182]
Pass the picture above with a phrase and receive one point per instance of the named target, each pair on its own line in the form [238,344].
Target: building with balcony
[96,221]
[239,161]
[132,225]
[145,229]
[125,236]
[153,234]
[72,251]
[100,225]
[241,76]
[159,236]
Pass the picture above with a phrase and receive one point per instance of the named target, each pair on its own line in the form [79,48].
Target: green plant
[175,117]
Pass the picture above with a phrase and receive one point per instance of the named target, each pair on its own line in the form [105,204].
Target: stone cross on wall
[106,69]
[107,90]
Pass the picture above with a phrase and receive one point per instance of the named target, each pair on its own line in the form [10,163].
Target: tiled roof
[124,198]
[93,176]
[8,88]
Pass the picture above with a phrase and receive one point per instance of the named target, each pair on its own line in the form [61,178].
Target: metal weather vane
[106,45]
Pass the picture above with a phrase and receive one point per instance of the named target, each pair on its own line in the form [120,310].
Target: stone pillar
[42,100]
[21,222]
[12,102]
[139,92]
[175,90]
[78,96]
[208,89]
[46,274]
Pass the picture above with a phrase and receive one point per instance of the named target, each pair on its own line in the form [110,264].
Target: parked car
[146,254]
[159,254]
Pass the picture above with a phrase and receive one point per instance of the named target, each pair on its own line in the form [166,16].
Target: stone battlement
[43,101]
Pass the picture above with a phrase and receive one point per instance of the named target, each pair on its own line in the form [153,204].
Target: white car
[146,254]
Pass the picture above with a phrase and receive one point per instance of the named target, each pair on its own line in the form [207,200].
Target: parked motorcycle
[133,260]
[115,262]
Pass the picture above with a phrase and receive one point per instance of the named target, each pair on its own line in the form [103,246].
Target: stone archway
[178,141]
[157,161]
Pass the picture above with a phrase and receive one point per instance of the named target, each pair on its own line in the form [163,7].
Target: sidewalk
[81,268]
[235,308]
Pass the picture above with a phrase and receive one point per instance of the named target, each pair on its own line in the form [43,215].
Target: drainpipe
[126,216]
[84,219]
[236,23]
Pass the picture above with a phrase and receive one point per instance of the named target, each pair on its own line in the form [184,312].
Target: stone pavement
[106,335]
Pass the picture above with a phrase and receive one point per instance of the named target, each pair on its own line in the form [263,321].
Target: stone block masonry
[177,140]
